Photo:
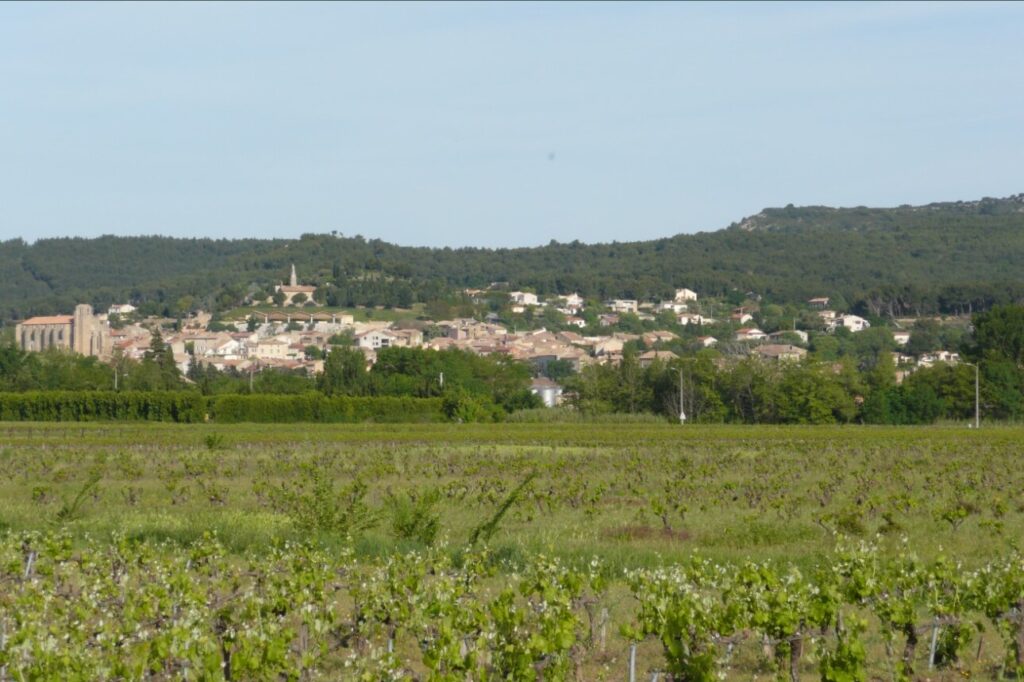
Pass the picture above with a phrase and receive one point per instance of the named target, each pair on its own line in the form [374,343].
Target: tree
[999,332]
[158,367]
[344,372]
[558,369]
[924,338]
[299,298]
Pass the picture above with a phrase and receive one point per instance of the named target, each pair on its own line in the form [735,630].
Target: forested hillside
[949,257]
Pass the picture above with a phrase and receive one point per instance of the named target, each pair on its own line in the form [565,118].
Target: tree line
[954,258]
[858,386]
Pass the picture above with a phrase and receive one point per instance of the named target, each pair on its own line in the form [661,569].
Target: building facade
[82,333]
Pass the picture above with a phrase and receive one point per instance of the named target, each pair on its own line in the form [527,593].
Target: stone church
[293,289]
[82,332]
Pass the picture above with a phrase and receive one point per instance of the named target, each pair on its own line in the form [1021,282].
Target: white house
[693,318]
[852,322]
[901,337]
[573,301]
[550,392]
[929,359]
[685,295]
[574,321]
[750,334]
[523,298]
[376,338]
[707,341]
[121,309]
[622,305]
[674,306]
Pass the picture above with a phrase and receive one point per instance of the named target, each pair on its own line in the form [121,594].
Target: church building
[293,289]
[82,332]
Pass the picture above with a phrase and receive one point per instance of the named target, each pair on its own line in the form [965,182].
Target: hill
[944,257]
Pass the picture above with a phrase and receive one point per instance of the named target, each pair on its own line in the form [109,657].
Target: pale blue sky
[495,124]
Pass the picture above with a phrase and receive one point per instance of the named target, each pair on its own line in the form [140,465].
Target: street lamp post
[977,394]
[682,412]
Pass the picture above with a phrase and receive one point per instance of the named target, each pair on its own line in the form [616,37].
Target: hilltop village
[555,335]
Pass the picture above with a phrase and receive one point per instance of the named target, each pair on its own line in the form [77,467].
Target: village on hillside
[291,332]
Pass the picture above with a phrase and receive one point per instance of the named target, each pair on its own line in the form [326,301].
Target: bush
[413,517]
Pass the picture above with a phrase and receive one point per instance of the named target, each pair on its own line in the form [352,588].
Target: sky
[504,124]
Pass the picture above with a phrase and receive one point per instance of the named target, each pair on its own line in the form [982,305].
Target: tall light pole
[682,412]
[977,395]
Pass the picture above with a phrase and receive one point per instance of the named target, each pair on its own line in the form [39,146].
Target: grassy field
[633,496]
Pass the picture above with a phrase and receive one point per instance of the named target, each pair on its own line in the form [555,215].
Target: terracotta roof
[51,319]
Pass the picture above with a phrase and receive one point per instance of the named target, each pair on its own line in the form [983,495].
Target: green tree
[999,332]
[344,372]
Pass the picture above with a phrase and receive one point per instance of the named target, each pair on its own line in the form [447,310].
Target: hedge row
[71,406]
[189,407]
[316,407]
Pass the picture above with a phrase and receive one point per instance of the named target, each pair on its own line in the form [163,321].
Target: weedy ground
[630,495]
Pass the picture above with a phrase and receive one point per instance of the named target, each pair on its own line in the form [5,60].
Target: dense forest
[948,257]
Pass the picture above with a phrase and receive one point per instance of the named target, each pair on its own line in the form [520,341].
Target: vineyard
[509,552]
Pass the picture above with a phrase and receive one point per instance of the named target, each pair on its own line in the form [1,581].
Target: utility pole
[682,412]
[977,394]
[977,397]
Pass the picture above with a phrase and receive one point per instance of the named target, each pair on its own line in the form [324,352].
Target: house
[607,319]
[655,337]
[741,318]
[573,301]
[783,333]
[622,305]
[693,318]
[411,338]
[707,341]
[819,303]
[608,346]
[901,337]
[269,349]
[780,352]
[929,359]
[827,315]
[672,306]
[121,309]
[685,295]
[574,321]
[750,334]
[854,323]
[549,392]
[376,338]
[650,357]
[523,298]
